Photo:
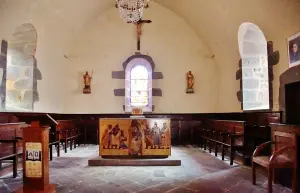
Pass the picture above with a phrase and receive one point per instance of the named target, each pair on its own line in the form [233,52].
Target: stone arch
[22,73]
[255,68]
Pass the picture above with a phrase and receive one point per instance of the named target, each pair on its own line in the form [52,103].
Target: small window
[138,85]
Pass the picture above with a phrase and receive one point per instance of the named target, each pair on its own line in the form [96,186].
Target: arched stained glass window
[139,86]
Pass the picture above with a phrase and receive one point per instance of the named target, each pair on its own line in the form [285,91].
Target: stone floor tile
[149,190]
[86,189]
[199,172]
[107,187]
[246,186]
[165,186]
[3,189]
[121,181]
[159,173]
[186,178]
[148,182]
[277,188]
[14,186]
[133,187]
[136,178]
[203,185]
[178,182]
[181,190]
[287,191]
[120,190]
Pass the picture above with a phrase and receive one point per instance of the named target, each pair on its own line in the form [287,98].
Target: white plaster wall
[108,41]
[49,47]
[169,40]
[218,21]
[56,22]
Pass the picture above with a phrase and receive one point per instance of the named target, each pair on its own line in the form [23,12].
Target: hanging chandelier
[131,11]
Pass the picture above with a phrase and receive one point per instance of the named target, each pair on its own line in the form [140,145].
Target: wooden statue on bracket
[87,82]
[190,82]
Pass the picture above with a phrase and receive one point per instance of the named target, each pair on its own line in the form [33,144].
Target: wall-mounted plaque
[33,160]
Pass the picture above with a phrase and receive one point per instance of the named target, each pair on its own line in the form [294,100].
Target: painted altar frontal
[135,137]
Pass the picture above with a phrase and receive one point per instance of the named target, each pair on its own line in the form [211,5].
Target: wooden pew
[11,143]
[11,131]
[8,151]
[67,131]
[224,134]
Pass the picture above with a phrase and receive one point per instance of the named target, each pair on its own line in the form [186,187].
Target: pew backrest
[65,128]
[9,131]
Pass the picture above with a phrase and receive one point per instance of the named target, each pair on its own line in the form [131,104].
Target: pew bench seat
[67,132]
[225,135]
[9,151]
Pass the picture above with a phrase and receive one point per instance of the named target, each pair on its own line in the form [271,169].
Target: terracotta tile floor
[199,172]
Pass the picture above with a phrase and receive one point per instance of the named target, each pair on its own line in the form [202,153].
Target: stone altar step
[99,161]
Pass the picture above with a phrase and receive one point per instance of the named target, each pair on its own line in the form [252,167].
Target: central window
[139,86]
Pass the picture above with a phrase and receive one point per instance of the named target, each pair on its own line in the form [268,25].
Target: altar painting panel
[157,137]
[135,137]
[114,137]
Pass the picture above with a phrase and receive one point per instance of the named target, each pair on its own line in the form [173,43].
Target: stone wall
[255,83]
[3,60]
[22,73]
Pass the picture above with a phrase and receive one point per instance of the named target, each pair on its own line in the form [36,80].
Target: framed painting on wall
[294,50]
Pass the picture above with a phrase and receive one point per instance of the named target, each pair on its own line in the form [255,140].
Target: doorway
[292,102]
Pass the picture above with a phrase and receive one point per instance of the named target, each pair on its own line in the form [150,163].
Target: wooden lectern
[36,160]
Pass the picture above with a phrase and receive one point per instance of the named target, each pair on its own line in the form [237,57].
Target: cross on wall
[139,25]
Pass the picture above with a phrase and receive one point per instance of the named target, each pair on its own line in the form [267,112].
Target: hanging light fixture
[131,11]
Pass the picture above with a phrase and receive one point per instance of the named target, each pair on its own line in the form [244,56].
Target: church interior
[150,96]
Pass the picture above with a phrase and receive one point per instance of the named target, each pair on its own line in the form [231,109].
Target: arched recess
[138,85]
[255,68]
[22,73]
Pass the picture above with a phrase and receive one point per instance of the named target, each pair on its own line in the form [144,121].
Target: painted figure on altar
[156,135]
[115,134]
[135,138]
[190,82]
[123,139]
[106,138]
[165,136]
[148,137]
[87,82]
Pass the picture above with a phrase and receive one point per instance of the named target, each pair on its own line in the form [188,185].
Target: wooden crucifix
[139,31]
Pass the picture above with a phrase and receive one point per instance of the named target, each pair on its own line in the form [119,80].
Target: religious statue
[87,82]
[190,82]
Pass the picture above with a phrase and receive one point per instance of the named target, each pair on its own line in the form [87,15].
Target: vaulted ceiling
[215,21]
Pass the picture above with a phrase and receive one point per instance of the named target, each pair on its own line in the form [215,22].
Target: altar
[134,137]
